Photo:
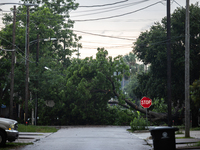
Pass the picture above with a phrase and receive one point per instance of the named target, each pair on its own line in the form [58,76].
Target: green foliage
[159,106]
[150,48]
[81,94]
[195,92]
[4,79]
[138,124]
[197,144]
[119,116]
[47,21]
[131,81]
[89,88]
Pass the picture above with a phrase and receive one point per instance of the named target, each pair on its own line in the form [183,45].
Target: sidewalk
[30,137]
[181,144]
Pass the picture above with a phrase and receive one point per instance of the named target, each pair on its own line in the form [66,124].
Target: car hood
[11,121]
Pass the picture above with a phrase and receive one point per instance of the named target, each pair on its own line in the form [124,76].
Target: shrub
[138,124]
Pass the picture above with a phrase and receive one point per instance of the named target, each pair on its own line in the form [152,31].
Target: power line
[115,8]
[118,15]
[122,46]
[105,4]
[151,44]
[16,50]
[177,3]
[108,8]
[11,44]
[103,35]
[161,42]
[113,44]
[95,48]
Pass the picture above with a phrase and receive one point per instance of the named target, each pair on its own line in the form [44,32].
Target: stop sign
[146,102]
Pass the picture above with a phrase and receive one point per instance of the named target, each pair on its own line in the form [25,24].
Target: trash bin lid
[164,128]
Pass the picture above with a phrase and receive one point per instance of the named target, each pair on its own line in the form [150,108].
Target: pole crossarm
[51,39]
[28,4]
[8,50]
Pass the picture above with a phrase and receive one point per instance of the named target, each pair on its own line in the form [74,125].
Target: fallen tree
[152,116]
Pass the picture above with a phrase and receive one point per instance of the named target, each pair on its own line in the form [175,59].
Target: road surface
[90,138]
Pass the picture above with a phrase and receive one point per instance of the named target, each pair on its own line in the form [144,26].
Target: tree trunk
[154,115]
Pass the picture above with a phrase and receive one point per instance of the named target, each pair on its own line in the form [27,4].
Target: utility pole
[187,72]
[169,64]
[12,65]
[78,52]
[37,60]
[27,65]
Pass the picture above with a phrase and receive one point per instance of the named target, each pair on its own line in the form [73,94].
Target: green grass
[184,137]
[195,129]
[178,132]
[197,144]
[9,146]
[180,127]
[32,128]
[28,128]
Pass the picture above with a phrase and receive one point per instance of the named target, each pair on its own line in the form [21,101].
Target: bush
[138,124]
[120,116]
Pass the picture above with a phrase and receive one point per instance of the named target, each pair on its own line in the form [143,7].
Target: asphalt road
[90,138]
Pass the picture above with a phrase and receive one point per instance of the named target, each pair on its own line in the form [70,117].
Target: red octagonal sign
[146,102]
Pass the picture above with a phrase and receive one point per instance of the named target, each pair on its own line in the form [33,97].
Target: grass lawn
[28,128]
[195,129]
[184,137]
[32,128]
[13,146]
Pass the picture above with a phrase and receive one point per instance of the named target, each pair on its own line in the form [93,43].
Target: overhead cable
[109,9]
[177,3]
[104,35]
[105,4]
[96,19]
[16,50]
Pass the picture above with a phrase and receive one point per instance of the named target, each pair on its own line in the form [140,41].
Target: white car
[8,130]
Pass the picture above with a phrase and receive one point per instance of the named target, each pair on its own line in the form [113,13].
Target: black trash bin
[163,138]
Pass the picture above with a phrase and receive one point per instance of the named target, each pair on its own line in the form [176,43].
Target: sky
[114,24]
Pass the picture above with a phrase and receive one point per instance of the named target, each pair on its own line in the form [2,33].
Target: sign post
[146,103]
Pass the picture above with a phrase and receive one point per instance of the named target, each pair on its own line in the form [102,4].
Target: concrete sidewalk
[30,137]
[181,144]
[188,143]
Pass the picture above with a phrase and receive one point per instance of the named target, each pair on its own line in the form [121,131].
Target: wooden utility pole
[169,63]
[78,52]
[12,65]
[37,60]
[27,66]
[187,71]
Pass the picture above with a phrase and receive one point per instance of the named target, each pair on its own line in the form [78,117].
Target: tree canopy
[81,88]
[48,20]
[150,48]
